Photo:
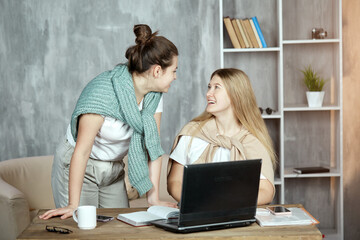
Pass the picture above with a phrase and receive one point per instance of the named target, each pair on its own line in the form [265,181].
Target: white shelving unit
[302,136]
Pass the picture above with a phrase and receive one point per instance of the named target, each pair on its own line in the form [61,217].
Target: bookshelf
[302,136]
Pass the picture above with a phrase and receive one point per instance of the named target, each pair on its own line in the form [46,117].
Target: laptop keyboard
[173,221]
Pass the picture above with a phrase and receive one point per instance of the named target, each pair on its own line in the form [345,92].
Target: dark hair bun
[149,50]
[143,33]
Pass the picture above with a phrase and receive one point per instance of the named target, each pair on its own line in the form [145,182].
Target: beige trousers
[103,186]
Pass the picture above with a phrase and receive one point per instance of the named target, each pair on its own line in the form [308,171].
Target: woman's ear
[157,71]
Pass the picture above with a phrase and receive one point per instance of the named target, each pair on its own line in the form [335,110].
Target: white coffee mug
[85,216]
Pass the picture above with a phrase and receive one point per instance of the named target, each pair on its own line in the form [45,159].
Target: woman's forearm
[174,189]
[154,174]
[266,192]
[76,178]
[174,180]
[89,125]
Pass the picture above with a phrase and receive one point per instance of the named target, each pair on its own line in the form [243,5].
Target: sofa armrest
[14,211]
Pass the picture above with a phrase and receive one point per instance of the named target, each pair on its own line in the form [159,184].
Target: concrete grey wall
[49,50]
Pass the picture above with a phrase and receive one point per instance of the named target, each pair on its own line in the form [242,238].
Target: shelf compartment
[268,49]
[320,146]
[271,116]
[277,197]
[300,17]
[311,41]
[277,181]
[266,13]
[304,107]
[331,234]
[273,127]
[288,173]
[310,192]
[262,70]
[324,59]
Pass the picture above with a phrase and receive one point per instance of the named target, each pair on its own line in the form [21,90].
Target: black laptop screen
[216,192]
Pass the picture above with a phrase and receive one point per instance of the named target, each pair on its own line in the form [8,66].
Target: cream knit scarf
[209,133]
[242,146]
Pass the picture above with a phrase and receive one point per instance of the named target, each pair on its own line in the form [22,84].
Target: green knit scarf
[112,94]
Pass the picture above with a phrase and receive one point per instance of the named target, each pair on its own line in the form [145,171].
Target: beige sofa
[25,187]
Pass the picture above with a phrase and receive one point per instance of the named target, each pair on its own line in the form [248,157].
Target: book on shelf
[255,32]
[237,32]
[230,29]
[299,216]
[307,170]
[242,22]
[242,32]
[250,33]
[258,29]
[144,218]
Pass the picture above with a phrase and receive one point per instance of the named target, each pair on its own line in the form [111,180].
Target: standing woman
[117,113]
[231,128]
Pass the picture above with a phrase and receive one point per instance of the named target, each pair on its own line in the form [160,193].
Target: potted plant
[314,83]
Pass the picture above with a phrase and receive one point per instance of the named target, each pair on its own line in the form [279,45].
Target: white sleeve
[160,105]
[185,155]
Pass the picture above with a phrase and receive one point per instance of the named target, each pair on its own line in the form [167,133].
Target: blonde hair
[243,102]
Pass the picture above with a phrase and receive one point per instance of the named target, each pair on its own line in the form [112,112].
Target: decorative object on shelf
[230,29]
[261,36]
[314,83]
[238,32]
[250,32]
[244,33]
[268,110]
[305,170]
[318,33]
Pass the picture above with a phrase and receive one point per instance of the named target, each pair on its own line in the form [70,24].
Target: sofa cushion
[32,177]
[14,211]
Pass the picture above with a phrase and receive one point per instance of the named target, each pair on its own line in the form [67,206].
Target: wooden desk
[116,229]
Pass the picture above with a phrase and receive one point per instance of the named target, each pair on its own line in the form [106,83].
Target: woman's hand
[167,204]
[65,212]
[153,201]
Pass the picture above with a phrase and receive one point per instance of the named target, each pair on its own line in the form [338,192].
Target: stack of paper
[299,216]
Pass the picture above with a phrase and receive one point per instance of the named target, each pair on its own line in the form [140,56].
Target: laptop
[216,196]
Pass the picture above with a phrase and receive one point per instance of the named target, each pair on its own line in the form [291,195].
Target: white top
[185,155]
[113,139]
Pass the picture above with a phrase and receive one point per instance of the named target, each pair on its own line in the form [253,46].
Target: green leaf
[312,81]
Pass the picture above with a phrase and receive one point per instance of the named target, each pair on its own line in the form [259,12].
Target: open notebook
[144,218]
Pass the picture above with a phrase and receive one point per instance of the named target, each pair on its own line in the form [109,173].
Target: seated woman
[231,128]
